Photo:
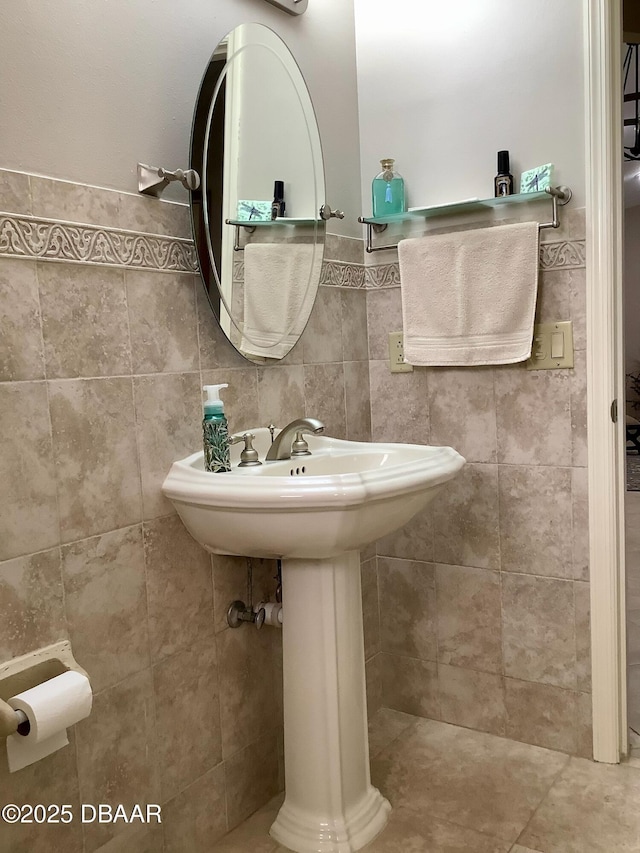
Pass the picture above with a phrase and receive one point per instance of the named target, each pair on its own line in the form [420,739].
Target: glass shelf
[557,195]
[470,205]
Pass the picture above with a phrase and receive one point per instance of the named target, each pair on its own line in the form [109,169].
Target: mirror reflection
[256,145]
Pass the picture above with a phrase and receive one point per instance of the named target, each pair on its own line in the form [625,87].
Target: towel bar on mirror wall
[559,195]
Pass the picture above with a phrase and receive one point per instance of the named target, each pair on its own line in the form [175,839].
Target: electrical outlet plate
[552,346]
[397,364]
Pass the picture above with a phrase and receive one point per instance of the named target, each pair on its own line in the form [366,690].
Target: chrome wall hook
[326,213]
[152,180]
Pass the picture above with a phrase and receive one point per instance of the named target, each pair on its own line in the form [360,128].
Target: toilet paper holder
[27,671]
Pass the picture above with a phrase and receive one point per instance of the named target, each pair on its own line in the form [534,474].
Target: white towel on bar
[469,297]
[278,297]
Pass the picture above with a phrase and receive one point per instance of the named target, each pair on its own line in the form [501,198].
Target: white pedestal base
[330,805]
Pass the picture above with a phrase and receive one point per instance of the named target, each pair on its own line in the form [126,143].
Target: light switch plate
[548,338]
[397,364]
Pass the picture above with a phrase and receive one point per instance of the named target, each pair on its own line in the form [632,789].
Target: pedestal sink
[315,513]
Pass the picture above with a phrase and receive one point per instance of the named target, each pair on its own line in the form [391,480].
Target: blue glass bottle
[387,191]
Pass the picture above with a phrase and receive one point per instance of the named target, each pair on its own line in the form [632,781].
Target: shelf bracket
[236,240]
[559,195]
[378,227]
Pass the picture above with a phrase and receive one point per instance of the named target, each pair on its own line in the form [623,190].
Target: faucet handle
[249,455]
[300,446]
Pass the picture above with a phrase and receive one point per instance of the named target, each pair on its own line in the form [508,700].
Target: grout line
[54,379]
[494,673]
[435,637]
[544,797]
[377,571]
[411,725]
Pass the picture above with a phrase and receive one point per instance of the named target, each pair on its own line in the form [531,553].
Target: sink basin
[349,492]
[315,513]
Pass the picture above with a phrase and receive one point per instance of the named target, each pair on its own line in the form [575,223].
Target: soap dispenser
[215,431]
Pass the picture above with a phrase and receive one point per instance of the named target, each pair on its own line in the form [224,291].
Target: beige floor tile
[476,780]
[431,835]
[385,726]
[591,808]
[459,791]
[519,849]
[252,836]
[132,840]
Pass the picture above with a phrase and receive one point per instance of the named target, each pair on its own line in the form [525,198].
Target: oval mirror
[256,146]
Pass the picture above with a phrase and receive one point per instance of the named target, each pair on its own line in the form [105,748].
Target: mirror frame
[203,214]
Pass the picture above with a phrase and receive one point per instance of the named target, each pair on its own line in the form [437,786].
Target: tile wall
[476,613]
[484,598]
[105,344]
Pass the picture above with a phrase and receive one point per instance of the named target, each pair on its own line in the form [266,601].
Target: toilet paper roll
[50,708]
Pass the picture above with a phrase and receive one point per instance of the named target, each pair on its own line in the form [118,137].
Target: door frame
[605,375]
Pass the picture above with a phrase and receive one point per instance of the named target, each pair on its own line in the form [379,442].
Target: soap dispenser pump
[215,431]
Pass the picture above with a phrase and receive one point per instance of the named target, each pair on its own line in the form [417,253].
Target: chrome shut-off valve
[238,613]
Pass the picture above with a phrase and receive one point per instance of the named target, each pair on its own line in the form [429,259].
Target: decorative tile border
[339,274]
[564,255]
[47,239]
[382,275]
[333,274]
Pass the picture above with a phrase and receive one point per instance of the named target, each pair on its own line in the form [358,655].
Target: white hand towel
[280,284]
[469,297]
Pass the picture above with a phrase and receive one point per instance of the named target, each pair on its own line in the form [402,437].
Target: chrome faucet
[285,445]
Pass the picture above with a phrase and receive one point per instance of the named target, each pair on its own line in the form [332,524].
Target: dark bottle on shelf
[504,179]
[278,206]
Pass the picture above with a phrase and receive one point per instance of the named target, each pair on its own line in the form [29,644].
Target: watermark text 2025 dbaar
[86,812]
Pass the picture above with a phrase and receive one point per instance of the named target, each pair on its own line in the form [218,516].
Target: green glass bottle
[215,431]
[387,191]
